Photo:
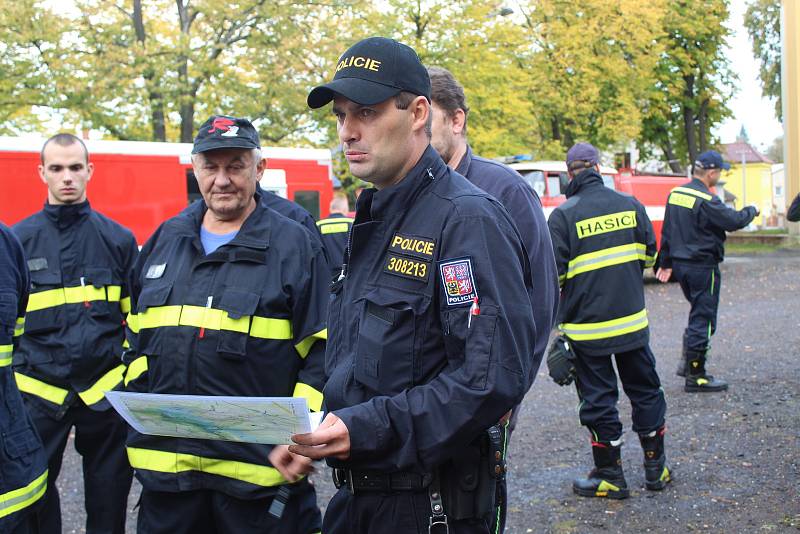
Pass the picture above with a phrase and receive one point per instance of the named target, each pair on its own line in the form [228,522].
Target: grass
[745,249]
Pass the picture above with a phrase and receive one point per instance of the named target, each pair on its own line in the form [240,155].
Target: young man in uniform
[228,299]
[23,464]
[449,138]
[692,247]
[431,337]
[69,355]
[335,230]
[603,240]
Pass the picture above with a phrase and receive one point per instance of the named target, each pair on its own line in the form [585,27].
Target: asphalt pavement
[735,456]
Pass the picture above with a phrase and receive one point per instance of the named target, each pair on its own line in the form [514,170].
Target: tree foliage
[763,22]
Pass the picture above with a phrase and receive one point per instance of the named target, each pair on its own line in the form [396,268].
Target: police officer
[23,464]
[449,138]
[793,214]
[431,335]
[69,355]
[692,239]
[603,240]
[335,231]
[228,298]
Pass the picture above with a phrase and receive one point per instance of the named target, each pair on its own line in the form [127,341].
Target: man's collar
[466,161]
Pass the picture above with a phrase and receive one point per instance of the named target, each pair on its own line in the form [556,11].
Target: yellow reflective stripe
[335,220]
[607,257]
[606,486]
[5,354]
[339,228]
[313,396]
[693,192]
[684,201]
[19,328]
[16,500]
[125,344]
[71,295]
[605,329]
[135,369]
[107,382]
[175,462]
[54,394]
[305,346]
[212,319]
[132,321]
[649,261]
[125,304]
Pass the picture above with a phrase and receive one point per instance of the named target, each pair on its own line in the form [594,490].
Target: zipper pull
[83,288]
[205,316]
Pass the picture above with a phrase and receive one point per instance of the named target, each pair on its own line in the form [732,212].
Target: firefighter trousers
[107,475]
[596,383]
[700,284]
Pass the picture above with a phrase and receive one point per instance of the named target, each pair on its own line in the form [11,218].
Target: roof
[733,152]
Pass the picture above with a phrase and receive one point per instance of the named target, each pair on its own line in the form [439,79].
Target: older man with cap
[432,333]
[228,298]
[692,247]
[602,241]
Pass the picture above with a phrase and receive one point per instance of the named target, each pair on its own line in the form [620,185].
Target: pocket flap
[51,277]
[152,296]
[239,303]
[395,299]
[21,443]
[98,276]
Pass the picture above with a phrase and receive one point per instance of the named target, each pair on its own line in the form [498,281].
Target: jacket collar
[254,233]
[466,161]
[584,180]
[63,215]
[698,184]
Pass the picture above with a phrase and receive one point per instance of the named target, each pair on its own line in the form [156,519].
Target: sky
[748,105]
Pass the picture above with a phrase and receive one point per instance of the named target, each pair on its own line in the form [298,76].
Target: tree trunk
[155,98]
[688,117]
[702,125]
[669,154]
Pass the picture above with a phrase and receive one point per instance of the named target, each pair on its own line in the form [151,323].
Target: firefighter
[69,355]
[228,298]
[23,464]
[603,240]
[431,337]
[449,138]
[335,231]
[692,247]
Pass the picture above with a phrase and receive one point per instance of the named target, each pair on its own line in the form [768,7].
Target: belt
[361,481]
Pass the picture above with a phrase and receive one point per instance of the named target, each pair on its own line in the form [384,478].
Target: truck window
[536,180]
[309,200]
[608,181]
[192,189]
[557,183]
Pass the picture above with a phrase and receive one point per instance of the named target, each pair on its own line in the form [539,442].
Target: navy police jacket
[245,320]
[414,373]
[695,223]
[79,262]
[525,208]
[23,465]
[602,241]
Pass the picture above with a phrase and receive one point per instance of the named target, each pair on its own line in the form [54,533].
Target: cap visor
[217,144]
[364,92]
[726,165]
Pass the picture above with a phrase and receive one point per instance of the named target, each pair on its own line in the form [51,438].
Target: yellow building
[749,178]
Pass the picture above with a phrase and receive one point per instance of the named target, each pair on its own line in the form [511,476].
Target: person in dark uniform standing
[692,247]
[23,464]
[69,355]
[449,138]
[793,214]
[335,230]
[228,299]
[603,241]
[431,336]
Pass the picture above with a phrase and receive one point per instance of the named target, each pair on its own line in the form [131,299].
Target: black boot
[681,371]
[697,380]
[606,479]
[656,472]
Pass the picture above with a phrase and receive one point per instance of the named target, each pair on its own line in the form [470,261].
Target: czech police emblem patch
[458,281]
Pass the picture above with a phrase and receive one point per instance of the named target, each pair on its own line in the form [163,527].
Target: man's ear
[421,109]
[459,121]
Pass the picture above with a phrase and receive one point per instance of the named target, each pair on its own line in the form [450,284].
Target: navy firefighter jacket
[79,262]
[245,320]
[602,241]
[695,223]
[23,464]
[413,373]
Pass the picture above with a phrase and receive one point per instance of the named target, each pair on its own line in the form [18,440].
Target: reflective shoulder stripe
[607,257]
[136,369]
[684,201]
[107,382]
[172,462]
[312,396]
[305,346]
[5,354]
[338,228]
[693,192]
[71,295]
[605,329]
[54,394]
[335,220]
[18,499]
[19,328]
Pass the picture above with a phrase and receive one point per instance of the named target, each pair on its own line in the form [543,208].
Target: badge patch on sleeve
[458,281]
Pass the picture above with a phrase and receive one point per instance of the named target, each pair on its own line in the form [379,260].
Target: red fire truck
[141,184]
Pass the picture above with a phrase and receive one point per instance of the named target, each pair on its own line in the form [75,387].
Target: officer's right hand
[758,211]
[663,275]
[290,466]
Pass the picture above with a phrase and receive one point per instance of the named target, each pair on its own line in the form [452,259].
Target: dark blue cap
[372,71]
[583,152]
[221,131]
[711,159]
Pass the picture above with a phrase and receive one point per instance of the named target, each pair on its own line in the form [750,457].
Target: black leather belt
[363,481]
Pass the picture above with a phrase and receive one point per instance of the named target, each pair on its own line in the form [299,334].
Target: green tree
[763,22]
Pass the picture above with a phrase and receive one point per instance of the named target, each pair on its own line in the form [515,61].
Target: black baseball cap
[221,131]
[711,159]
[583,152]
[374,70]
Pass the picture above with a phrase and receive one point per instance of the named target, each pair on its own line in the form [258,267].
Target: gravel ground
[735,455]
